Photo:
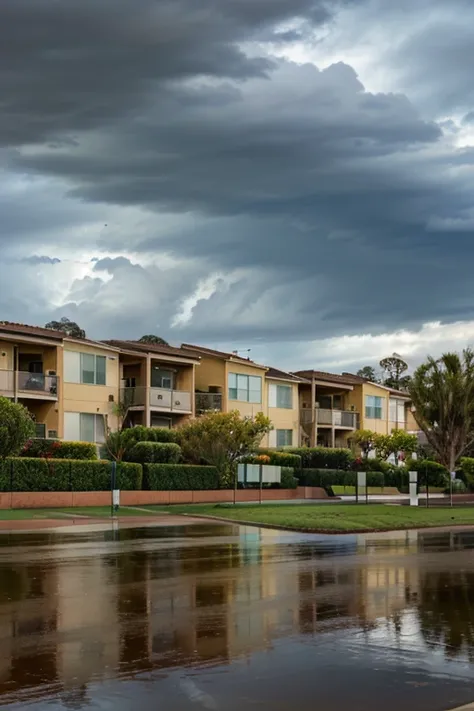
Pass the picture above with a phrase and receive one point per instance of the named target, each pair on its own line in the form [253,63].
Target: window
[374,407]
[245,388]
[162,378]
[84,427]
[284,438]
[280,396]
[397,412]
[86,368]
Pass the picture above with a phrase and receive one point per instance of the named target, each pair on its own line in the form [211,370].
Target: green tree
[397,441]
[221,439]
[394,366]
[442,393]
[153,340]
[368,372]
[16,428]
[365,439]
[69,328]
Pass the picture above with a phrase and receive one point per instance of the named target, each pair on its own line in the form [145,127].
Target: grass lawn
[351,490]
[331,517]
[94,512]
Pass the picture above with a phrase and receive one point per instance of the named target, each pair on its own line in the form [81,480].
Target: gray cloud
[35,259]
[323,209]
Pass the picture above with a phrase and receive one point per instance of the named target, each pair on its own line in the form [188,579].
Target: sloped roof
[157,348]
[282,375]
[344,379]
[218,354]
[24,330]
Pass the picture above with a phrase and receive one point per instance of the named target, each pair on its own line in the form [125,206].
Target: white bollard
[413,486]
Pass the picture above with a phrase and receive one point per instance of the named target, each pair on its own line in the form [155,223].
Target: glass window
[100,370]
[87,368]
[374,407]
[284,438]
[255,389]
[245,388]
[87,427]
[284,396]
[161,378]
[93,369]
[232,386]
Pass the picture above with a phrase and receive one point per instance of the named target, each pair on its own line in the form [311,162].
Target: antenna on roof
[246,350]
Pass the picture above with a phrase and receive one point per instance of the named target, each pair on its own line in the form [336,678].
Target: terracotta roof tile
[345,378]
[216,354]
[282,375]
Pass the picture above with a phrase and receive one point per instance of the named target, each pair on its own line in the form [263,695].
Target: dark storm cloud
[36,259]
[342,208]
[76,65]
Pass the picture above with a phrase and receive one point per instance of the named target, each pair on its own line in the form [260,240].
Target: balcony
[161,399]
[36,386]
[208,401]
[339,419]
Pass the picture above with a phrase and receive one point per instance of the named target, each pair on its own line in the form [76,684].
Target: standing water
[228,617]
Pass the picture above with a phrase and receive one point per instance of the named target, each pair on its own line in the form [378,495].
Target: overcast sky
[289,176]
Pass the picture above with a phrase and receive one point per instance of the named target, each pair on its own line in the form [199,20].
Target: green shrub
[97,476]
[467,470]
[288,479]
[324,458]
[335,477]
[39,474]
[140,433]
[436,473]
[180,477]
[155,453]
[372,464]
[459,487]
[56,449]
[163,434]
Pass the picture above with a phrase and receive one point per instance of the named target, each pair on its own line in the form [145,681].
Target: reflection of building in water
[160,606]
[28,611]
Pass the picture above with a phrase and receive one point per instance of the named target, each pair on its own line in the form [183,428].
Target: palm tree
[442,393]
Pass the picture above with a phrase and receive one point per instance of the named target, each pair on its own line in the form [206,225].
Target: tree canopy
[368,372]
[70,328]
[153,340]
[442,393]
[220,439]
[16,427]
[394,368]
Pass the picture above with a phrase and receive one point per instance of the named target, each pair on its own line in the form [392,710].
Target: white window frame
[241,387]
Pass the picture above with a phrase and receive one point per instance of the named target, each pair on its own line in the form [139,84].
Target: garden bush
[39,474]
[56,449]
[324,458]
[437,474]
[337,477]
[467,471]
[155,453]
[180,477]
[288,479]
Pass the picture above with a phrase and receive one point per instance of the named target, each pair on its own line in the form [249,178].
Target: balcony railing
[157,398]
[332,418]
[29,384]
[208,401]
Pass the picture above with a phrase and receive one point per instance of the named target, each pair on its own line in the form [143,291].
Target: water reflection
[117,604]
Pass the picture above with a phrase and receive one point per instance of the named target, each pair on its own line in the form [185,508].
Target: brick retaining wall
[59,499]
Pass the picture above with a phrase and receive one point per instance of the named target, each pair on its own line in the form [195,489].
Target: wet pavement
[216,616]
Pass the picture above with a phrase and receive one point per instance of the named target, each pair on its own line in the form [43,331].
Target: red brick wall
[37,500]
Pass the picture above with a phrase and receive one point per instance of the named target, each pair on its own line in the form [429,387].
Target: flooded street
[227,617]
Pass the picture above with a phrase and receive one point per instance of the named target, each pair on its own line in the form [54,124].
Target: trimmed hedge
[467,471]
[155,453]
[56,449]
[324,458]
[337,477]
[288,479]
[438,475]
[180,477]
[37,474]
